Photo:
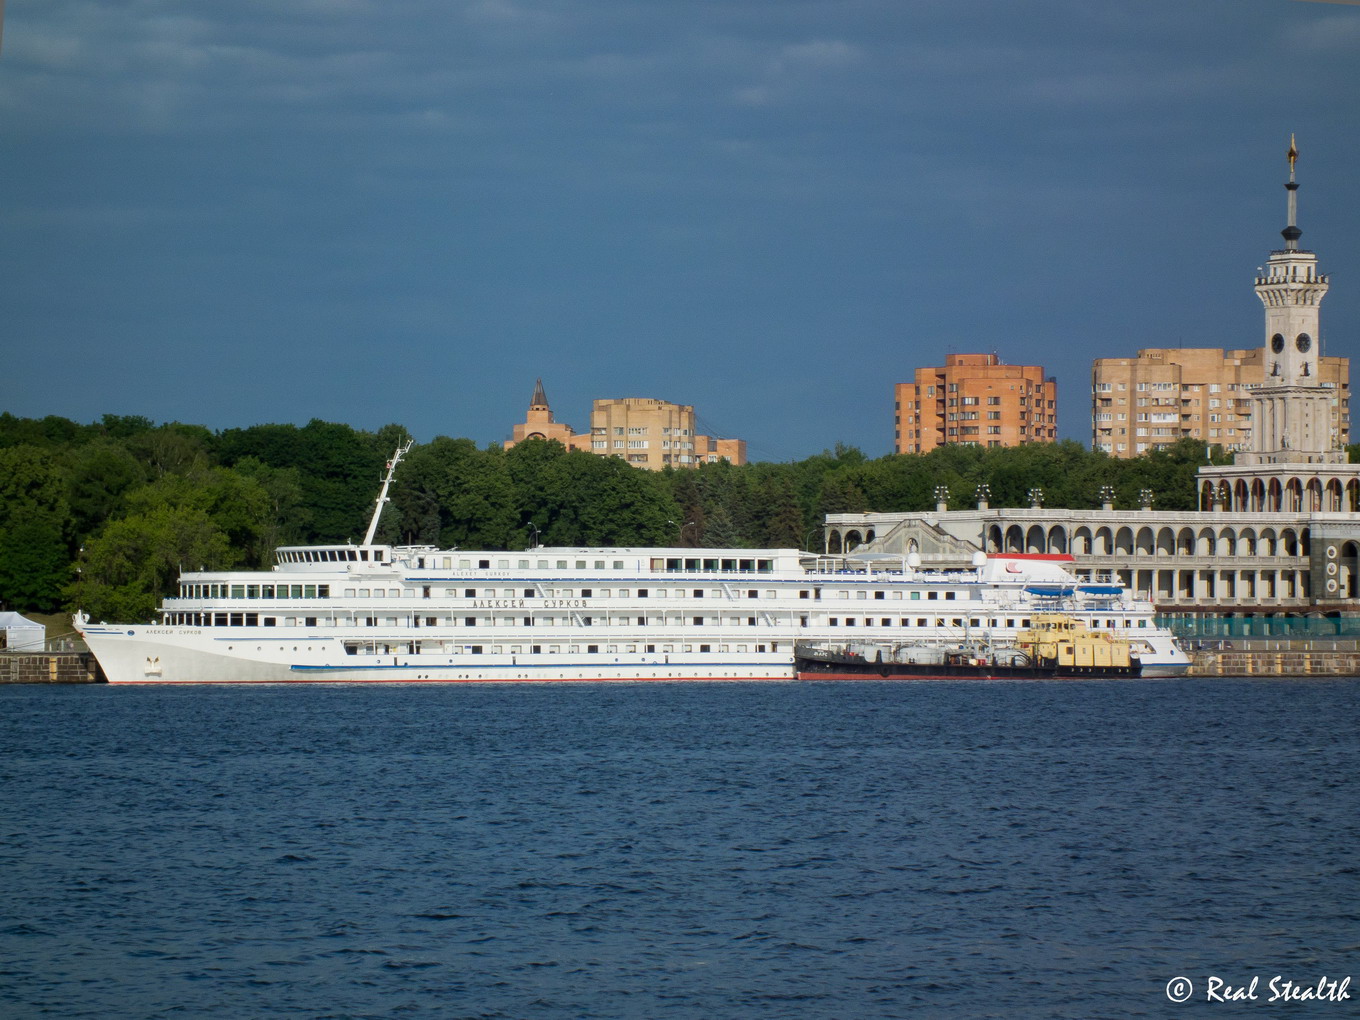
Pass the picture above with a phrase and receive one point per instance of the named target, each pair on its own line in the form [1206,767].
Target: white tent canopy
[17,633]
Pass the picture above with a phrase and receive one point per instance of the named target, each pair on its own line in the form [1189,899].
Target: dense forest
[104,516]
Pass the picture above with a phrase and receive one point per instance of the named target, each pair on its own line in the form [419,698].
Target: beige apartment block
[974,399]
[646,432]
[1167,394]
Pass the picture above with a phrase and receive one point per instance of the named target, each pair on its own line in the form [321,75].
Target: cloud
[796,69]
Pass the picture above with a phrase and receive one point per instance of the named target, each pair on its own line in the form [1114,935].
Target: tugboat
[1054,646]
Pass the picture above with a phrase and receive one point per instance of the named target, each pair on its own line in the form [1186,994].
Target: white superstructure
[409,614]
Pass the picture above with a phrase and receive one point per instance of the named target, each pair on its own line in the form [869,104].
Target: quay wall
[1279,662]
[1285,659]
[49,668]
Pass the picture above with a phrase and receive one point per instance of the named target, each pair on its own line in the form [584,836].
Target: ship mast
[382,496]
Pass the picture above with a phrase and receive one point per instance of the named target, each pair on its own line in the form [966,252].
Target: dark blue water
[670,850]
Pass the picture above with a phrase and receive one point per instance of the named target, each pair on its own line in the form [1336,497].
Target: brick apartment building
[976,400]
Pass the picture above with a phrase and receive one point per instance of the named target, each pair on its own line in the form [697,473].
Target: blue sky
[375,211]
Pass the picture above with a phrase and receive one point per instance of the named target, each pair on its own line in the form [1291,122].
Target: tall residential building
[1166,394]
[645,432]
[1280,403]
[975,400]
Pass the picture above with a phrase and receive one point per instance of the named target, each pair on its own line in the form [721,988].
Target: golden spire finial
[1293,152]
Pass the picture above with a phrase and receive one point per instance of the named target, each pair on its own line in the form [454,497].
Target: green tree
[101,473]
[453,494]
[129,566]
[35,565]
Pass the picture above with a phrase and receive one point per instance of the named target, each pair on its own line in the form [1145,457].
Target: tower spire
[1291,232]
[540,399]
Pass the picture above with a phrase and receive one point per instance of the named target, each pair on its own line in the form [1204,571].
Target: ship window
[705,648]
[296,591]
[861,594]
[803,594]
[750,621]
[880,594]
[269,621]
[267,591]
[932,595]
[643,593]
[237,619]
[483,564]
[765,566]
[309,591]
[238,591]
[252,591]
[323,591]
[587,593]
[363,593]
[698,621]
[469,621]
[834,621]
[950,595]
[698,593]
[751,593]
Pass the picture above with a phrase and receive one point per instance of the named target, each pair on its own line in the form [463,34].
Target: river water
[818,850]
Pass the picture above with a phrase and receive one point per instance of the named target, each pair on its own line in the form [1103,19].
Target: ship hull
[837,668]
[129,657]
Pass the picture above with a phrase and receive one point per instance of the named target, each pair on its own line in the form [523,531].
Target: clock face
[1277,343]
[1303,342]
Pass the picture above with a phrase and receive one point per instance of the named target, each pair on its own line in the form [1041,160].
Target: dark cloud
[279,209]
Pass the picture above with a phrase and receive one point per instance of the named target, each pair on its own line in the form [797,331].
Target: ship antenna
[382,496]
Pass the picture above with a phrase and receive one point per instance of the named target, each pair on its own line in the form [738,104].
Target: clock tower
[1291,411]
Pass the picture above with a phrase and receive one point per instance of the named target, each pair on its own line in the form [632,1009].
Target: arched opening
[1034,540]
[1144,543]
[1269,544]
[1289,542]
[1166,542]
[1348,568]
[1057,539]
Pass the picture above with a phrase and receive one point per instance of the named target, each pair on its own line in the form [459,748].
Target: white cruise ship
[411,614]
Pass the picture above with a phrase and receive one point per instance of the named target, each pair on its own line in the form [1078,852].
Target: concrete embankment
[49,668]
[81,667]
[1279,659]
